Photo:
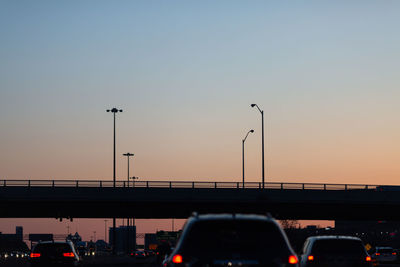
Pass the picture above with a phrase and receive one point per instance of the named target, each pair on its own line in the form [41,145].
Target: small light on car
[377,254]
[69,254]
[394,253]
[293,259]
[177,259]
[368,258]
[35,255]
[310,258]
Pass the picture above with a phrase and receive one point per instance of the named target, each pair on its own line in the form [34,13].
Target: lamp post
[133,179]
[251,131]
[262,141]
[114,111]
[128,155]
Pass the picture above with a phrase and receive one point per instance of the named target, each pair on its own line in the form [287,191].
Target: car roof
[326,237]
[227,216]
[54,242]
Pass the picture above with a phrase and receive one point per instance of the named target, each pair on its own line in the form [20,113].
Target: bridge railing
[182,184]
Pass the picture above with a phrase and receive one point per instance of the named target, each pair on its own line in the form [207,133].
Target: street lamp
[114,111]
[251,131]
[262,140]
[128,155]
[133,179]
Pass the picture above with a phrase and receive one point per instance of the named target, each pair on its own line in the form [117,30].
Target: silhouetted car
[149,253]
[334,251]
[232,240]
[163,249]
[384,255]
[54,254]
[139,254]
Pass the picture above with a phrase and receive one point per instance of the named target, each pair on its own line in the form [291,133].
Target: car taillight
[310,258]
[35,255]
[177,259]
[377,254]
[69,254]
[368,258]
[293,259]
[394,253]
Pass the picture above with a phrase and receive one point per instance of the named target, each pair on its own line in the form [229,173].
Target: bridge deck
[99,199]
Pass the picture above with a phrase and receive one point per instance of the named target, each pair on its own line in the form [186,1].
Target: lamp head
[253,105]
[252,131]
[114,110]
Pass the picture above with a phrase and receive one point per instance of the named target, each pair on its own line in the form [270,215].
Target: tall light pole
[244,140]
[128,155]
[114,111]
[262,141]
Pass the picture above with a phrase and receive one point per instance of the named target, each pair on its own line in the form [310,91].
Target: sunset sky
[185,74]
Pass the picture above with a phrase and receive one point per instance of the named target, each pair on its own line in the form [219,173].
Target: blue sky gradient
[185,72]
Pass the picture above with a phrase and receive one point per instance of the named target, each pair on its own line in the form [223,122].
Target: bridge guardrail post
[192,184]
[123,184]
[281,186]
[147,184]
[303,186]
[170,184]
[5,183]
[29,183]
[237,185]
[345,187]
[101,183]
[52,183]
[77,184]
[325,187]
[215,185]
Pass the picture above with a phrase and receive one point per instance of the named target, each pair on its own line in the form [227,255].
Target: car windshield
[384,250]
[238,239]
[52,248]
[338,246]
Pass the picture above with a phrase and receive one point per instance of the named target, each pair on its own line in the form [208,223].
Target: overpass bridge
[178,199]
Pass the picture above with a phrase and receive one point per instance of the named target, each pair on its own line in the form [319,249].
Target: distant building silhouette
[150,241]
[10,242]
[125,238]
[19,233]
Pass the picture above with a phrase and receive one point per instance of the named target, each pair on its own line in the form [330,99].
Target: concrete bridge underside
[70,202]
